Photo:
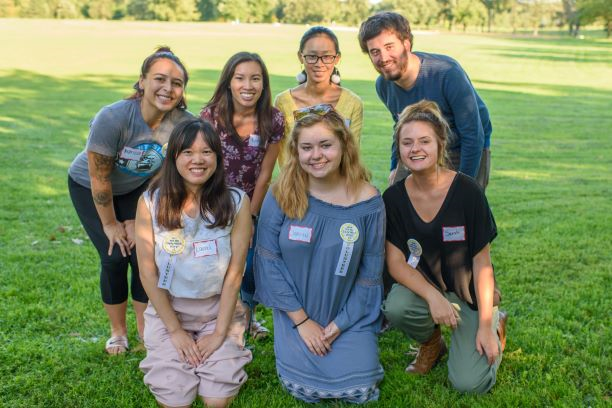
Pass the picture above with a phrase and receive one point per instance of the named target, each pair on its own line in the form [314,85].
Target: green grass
[551,192]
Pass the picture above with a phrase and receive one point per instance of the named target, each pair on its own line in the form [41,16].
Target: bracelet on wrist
[295,326]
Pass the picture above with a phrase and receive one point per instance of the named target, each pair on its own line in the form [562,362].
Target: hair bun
[163,48]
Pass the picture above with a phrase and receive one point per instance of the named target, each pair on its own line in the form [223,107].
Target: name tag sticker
[413,260]
[347,123]
[453,234]
[204,248]
[254,141]
[302,234]
[129,153]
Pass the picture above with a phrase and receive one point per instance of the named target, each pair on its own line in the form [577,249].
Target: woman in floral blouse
[250,129]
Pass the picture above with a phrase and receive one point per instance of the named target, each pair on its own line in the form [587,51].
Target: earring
[335,78]
[301,77]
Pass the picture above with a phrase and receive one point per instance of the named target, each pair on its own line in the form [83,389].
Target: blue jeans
[247,290]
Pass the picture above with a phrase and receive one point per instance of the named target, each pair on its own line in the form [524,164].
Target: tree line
[485,15]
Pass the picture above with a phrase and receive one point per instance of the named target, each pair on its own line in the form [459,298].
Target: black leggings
[113,269]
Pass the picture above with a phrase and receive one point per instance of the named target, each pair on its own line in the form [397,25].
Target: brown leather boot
[501,329]
[428,355]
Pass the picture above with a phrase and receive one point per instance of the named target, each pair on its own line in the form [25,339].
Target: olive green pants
[468,371]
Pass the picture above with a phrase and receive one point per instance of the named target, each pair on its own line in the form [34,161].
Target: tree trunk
[489,17]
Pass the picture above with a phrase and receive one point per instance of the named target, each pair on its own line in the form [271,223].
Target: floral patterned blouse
[242,161]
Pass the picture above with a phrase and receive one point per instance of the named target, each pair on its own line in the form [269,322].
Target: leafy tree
[8,8]
[470,12]
[353,12]
[100,9]
[571,16]
[261,11]
[494,7]
[448,10]
[234,9]
[34,9]
[418,12]
[208,10]
[593,10]
[308,12]
[164,10]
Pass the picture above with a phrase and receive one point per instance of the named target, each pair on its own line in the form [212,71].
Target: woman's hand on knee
[209,343]
[442,311]
[186,347]
[115,232]
[486,343]
[313,336]
[130,233]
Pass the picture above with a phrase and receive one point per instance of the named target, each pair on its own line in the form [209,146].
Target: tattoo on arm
[103,198]
[103,167]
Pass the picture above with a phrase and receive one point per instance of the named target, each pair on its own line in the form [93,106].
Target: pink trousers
[176,383]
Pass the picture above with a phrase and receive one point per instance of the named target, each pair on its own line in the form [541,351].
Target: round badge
[174,244]
[415,247]
[349,232]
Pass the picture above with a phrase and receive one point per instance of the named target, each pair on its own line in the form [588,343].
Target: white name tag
[302,234]
[204,248]
[254,141]
[347,123]
[129,153]
[453,234]
[413,260]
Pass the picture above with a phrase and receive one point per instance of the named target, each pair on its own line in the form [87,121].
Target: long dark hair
[161,52]
[222,105]
[216,204]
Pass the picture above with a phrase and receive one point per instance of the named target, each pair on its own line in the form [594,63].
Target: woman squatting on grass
[318,264]
[439,230]
[319,82]
[192,237]
[125,147]
[250,130]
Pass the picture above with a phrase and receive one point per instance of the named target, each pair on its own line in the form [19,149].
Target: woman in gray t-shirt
[125,147]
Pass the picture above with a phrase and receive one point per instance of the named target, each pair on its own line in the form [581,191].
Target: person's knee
[399,307]
[472,384]
[217,402]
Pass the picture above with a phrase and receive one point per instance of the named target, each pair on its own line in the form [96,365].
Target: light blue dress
[303,264]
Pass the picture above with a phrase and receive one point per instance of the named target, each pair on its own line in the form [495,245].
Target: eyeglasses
[321,109]
[313,59]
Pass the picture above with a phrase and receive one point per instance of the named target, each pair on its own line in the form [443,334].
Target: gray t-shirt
[119,130]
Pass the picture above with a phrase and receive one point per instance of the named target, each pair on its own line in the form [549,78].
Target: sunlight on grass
[524,174]
[525,89]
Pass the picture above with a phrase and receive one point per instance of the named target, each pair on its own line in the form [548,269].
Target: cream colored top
[349,106]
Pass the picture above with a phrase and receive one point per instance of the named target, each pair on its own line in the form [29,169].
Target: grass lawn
[551,192]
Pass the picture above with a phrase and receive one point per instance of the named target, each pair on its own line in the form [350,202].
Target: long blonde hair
[428,112]
[291,189]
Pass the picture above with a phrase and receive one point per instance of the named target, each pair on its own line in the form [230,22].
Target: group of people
[185,202]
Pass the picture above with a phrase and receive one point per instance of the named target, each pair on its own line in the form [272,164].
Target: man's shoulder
[437,63]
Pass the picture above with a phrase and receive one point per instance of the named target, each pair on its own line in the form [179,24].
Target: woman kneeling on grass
[318,264]
[192,236]
[439,229]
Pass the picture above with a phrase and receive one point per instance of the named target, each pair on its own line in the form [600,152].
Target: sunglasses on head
[321,109]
